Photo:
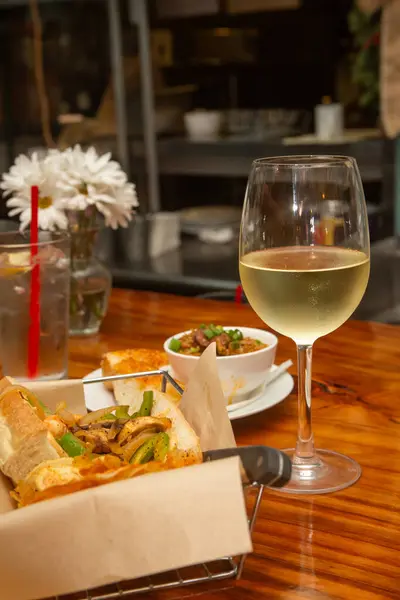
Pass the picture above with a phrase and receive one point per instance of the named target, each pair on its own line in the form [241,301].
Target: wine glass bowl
[304,266]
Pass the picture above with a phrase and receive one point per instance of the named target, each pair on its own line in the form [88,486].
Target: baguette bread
[25,441]
[138,360]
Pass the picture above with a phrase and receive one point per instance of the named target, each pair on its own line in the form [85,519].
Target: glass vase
[90,279]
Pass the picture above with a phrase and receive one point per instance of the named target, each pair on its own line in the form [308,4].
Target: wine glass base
[329,472]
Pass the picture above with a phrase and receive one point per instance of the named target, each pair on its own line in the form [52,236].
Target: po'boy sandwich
[47,455]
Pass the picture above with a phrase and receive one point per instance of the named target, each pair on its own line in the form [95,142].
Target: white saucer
[97,396]
[272,394]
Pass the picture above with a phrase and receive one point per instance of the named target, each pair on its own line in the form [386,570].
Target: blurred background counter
[141,78]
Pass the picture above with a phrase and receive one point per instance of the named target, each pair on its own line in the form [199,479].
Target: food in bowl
[241,374]
[229,342]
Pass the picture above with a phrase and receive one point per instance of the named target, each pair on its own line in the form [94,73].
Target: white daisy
[88,178]
[17,183]
[121,211]
[72,180]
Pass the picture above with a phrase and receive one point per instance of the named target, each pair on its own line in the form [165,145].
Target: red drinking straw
[238,294]
[34,305]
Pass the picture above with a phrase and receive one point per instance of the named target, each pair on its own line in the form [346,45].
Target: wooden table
[340,546]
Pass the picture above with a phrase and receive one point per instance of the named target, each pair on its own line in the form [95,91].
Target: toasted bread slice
[138,360]
[154,359]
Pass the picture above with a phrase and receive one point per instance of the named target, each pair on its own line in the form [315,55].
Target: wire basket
[225,568]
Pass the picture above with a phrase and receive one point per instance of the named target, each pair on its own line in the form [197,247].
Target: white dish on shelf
[97,396]
[197,218]
[203,124]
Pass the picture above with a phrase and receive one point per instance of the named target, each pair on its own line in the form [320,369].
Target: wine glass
[304,267]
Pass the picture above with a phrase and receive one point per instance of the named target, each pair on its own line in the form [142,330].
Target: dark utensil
[263,465]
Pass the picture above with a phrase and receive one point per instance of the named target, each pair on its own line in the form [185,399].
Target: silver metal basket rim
[167,378]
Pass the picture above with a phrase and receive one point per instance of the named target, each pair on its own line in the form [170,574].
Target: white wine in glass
[304,279]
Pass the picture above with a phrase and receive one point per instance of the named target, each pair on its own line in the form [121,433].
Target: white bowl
[241,375]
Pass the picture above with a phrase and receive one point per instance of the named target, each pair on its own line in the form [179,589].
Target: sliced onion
[96,415]
[81,434]
[65,415]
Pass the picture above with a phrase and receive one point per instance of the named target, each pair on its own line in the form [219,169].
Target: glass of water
[16,267]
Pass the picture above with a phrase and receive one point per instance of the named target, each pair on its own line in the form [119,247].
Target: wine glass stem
[305,439]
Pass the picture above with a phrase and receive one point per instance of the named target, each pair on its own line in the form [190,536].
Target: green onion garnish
[209,333]
[175,345]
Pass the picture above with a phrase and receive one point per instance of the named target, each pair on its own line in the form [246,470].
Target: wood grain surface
[340,546]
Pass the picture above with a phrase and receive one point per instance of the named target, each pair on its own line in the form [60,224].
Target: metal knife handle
[263,465]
